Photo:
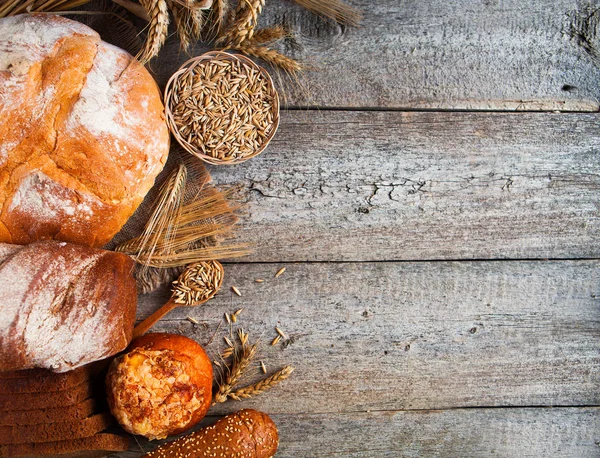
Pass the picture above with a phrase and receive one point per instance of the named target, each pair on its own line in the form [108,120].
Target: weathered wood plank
[513,55]
[359,186]
[391,336]
[565,432]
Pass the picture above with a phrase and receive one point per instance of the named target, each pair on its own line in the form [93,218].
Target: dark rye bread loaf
[37,380]
[46,400]
[52,415]
[51,432]
[89,447]
[65,430]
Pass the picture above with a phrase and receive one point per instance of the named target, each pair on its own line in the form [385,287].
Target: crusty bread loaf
[82,132]
[247,433]
[63,306]
[89,447]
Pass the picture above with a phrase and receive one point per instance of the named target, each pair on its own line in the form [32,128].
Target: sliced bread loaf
[56,414]
[88,447]
[52,432]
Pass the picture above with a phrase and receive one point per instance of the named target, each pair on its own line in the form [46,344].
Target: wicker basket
[185,73]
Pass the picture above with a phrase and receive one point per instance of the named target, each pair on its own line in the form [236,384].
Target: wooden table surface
[433,192]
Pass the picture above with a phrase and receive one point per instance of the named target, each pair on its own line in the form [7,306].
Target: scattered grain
[236,291]
[280,272]
[275,341]
[192,320]
[280,332]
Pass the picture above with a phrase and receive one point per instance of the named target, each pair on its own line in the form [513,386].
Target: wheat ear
[241,360]
[263,385]
[242,28]
[333,9]
[158,28]
[269,35]
[270,56]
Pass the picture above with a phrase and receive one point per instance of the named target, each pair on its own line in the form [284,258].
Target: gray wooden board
[412,335]
[564,432]
[357,186]
[456,54]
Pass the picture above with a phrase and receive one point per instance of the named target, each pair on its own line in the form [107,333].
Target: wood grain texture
[391,336]
[358,186]
[457,54]
[475,433]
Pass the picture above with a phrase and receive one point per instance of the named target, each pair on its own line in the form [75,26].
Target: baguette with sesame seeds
[244,434]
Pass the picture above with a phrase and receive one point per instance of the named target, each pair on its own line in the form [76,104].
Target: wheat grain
[224,108]
[280,332]
[280,272]
[198,283]
[263,385]
[275,341]
[263,367]
[192,320]
[259,280]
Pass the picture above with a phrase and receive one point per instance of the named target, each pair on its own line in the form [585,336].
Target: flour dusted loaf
[82,132]
[63,305]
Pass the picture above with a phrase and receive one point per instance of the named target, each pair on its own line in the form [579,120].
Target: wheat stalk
[242,358]
[189,21]
[270,56]
[263,385]
[13,7]
[159,229]
[333,9]
[218,15]
[158,28]
[269,35]
[242,28]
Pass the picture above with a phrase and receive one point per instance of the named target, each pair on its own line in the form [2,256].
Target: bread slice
[51,432]
[36,380]
[44,400]
[53,415]
[88,447]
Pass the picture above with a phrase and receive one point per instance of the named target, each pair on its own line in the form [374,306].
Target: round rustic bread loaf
[162,386]
[82,132]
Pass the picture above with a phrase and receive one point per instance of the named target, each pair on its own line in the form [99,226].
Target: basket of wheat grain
[222,108]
